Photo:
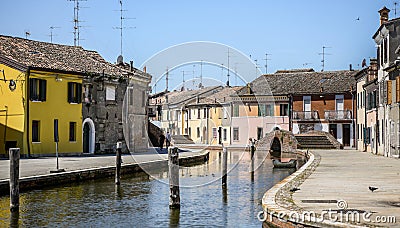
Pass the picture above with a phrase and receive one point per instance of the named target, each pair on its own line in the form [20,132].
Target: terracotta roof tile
[50,56]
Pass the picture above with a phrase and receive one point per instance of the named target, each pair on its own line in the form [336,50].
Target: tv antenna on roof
[51,33]
[76,21]
[395,9]
[323,57]
[27,34]
[121,27]
[266,62]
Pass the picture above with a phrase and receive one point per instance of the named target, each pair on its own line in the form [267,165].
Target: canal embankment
[332,190]
[35,173]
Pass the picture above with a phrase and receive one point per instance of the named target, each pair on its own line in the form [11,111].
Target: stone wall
[286,138]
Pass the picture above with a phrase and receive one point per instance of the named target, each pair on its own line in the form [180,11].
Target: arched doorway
[88,136]
[276,148]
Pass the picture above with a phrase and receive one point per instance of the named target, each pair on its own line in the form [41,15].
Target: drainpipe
[5,128]
[352,116]
[27,112]
[290,113]
[207,116]
[377,124]
[365,119]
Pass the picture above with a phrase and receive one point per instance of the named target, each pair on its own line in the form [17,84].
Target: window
[37,89]
[35,131]
[261,109]
[269,110]
[198,132]
[190,113]
[284,109]
[110,93]
[198,113]
[72,131]
[215,133]
[74,92]
[190,132]
[235,110]
[236,134]
[225,134]
[205,113]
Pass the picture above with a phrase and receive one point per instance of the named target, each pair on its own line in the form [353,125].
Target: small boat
[280,164]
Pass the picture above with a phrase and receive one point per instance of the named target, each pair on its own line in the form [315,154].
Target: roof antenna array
[76,21]
[27,34]
[51,33]
[323,57]
[395,9]
[266,62]
[121,27]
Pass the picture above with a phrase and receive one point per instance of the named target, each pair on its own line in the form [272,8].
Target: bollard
[14,179]
[118,164]
[173,165]
[224,166]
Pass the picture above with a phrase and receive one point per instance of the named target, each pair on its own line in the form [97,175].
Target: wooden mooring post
[118,162]
[252,150]
[14,179]
[224,166]
[173,165]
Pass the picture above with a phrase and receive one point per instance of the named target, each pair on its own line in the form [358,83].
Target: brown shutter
[398,89]
[389,92]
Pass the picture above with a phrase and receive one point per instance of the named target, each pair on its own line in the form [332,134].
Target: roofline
[13,64]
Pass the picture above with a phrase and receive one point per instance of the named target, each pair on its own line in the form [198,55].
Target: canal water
[143,200]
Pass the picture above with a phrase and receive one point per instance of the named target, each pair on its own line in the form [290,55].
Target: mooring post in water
[173,165]
[252,149]
[118,164]
[224,166]
[14,179]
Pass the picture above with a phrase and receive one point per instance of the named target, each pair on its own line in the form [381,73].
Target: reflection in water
[14,219]
[174,217]
[144,201]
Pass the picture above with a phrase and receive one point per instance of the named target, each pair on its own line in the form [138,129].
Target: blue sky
[293,32]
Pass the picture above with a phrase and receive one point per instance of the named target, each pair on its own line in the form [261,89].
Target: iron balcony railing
[338,115]
[305,115]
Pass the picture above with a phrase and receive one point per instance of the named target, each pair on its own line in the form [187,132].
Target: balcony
[338,115]
[305,115]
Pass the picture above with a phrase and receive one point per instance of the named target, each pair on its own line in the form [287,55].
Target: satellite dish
[120,59]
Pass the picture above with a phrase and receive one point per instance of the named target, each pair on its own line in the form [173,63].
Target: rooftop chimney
[384,15]
[373,69]
[131,65]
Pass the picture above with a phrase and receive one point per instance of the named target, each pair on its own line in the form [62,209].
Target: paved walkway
[346,175]
[43,165]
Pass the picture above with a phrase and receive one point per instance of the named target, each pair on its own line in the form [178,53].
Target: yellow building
[41,88]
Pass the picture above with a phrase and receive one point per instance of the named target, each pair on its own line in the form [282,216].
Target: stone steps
[314,142]
[181,139]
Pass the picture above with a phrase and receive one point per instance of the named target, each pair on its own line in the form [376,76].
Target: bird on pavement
[372,189]
[294,189]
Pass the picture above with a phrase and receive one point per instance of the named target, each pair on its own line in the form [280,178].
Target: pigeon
[372,188]
[294,189]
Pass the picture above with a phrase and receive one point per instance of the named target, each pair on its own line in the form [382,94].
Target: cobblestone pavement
[43,165]
[345,176]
